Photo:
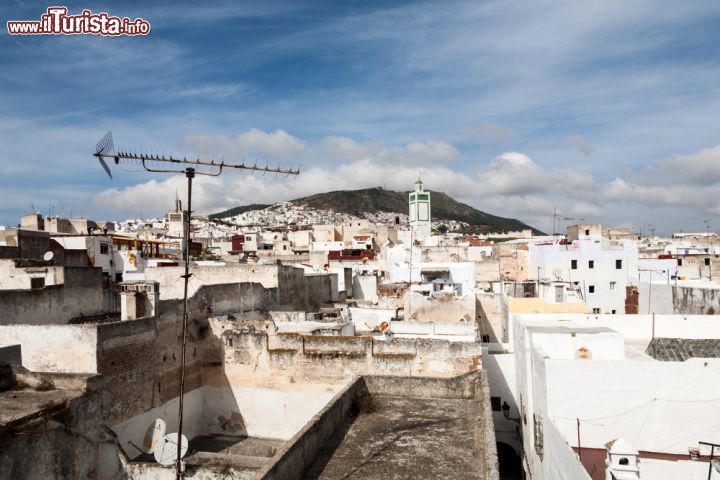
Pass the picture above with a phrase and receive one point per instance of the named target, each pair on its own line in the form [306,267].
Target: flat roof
[404,438]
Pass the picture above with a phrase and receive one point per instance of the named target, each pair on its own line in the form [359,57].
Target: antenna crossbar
[143,158]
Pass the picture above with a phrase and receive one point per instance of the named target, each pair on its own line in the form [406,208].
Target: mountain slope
[443,207]
[237,211]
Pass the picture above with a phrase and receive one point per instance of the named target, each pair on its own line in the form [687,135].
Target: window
[707,261]
[486,339]
[596,310]
[613,312]
[495,404]
[103,248]
[591,263]
[587,232]
[591,288]
[573,264]
[248,238]
[679,262]
[618,264]
[36,283]
[612,286]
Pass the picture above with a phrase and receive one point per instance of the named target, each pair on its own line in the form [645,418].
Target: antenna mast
[104,149]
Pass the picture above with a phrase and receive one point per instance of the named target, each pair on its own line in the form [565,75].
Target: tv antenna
[104,149]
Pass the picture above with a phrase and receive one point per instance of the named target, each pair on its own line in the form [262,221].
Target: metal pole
[712,454]
[190,174]
[578,438]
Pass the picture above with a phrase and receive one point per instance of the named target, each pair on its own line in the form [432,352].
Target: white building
[600,270]
[584,381]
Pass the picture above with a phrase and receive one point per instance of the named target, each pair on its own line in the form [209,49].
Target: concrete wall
[263,412]
[538,305]
[131,432]
[440,309]
[299,453]
[81,294]
[303,448]
[646,401]
[670,299]
[172,284]
[364,287]
[252,352]
[54,348]
[560,461]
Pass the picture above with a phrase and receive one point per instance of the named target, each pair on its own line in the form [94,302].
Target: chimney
[622,461]
[139,300]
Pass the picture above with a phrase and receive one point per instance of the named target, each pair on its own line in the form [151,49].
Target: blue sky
[607,111]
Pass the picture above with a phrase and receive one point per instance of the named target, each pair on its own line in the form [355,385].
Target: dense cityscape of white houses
[592,354]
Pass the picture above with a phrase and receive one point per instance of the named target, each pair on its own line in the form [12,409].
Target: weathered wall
[81,295]
[304,447]
[252,352]
[364,287]
[678,300]
[172,284]
[438,309]
[54,348]
[297,455]
[490,319]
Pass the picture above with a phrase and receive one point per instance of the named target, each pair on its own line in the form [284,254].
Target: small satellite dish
[167,449]
[557,273]
[48,256]
[154,434]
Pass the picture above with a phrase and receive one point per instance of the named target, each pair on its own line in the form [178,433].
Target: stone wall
[253,352]
[81,295]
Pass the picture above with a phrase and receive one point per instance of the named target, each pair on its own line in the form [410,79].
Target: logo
[56,21]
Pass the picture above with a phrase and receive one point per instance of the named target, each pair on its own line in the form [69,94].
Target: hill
[443,207]
[238,210]
[376,200]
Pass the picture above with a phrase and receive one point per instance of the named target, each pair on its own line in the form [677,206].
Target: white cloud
[277,144]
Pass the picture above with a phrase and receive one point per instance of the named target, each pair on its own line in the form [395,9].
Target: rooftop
[404,438]
[680,349]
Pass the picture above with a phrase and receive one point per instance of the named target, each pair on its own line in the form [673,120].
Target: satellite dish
[557,273]
[167,449]
[154,435]
[48,255]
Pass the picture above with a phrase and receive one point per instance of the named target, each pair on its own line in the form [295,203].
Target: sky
[603,112]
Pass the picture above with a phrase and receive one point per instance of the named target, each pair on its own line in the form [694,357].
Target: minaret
[419,202]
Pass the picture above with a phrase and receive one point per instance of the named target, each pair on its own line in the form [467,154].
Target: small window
[612,286]
[103,248]
[591,263]
[707,261]
[624,461]
[248,238]
[679,262]
[37,283]
[613,312]
[587,232]
[284,247]
[573,264]
[618,264]
[495,404]
[591,288]
[486,339]
[596,310]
